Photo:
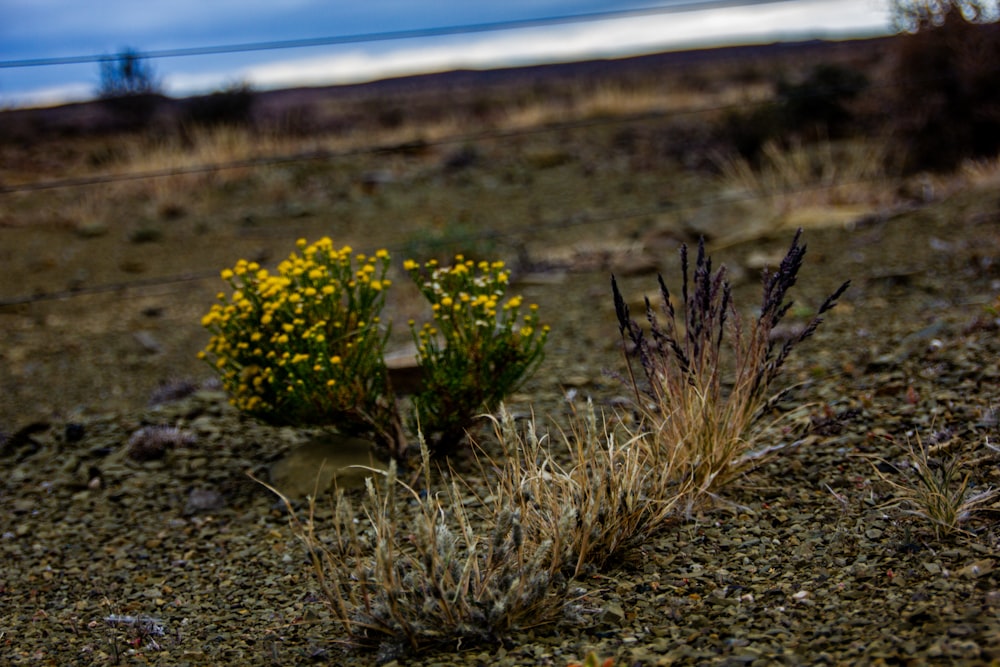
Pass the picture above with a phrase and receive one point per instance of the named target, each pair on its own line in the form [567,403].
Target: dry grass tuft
[936,491]
[708,377]
[608,492]
[416,572]
[820,174]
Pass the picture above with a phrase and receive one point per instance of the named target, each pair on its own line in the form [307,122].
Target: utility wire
[441,31]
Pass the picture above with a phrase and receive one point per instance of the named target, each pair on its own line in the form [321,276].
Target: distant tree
[130,88]
[127,74]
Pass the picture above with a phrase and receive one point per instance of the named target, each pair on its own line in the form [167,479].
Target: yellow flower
[410,265]
[227,274]
[382,253]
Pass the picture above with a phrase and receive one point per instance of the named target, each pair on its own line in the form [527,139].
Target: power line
[441,31]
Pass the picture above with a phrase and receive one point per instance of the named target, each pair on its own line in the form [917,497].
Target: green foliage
[477,350]
[443,241]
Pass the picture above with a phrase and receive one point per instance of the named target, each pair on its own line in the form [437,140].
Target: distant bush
[947,85]
[817,106]
[230,106]
[820,101]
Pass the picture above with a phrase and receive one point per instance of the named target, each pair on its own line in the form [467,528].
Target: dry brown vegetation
[570,174]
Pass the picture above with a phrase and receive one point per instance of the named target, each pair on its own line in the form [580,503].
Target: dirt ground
[182,559]
[811,568]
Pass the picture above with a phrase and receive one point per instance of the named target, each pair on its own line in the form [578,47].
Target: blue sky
[58,28]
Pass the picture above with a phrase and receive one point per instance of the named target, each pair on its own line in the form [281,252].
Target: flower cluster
[305,344]
[477,348]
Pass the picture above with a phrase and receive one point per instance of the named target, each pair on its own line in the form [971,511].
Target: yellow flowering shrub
[476,350]
[304,345]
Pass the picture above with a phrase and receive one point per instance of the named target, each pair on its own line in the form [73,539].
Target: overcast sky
[32,29]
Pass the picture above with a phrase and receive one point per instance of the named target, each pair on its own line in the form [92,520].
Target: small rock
[612,614]
[147,341]
[204,500]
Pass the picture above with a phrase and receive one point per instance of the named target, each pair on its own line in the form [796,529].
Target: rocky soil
[130,546]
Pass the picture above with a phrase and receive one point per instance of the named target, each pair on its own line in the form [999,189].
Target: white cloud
[749,23]
[634,35]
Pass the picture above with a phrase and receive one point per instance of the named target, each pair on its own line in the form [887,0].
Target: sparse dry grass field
[567,174]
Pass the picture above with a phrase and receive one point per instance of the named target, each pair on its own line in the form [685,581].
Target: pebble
[203,500]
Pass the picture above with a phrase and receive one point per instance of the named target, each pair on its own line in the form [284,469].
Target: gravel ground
[157,548]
